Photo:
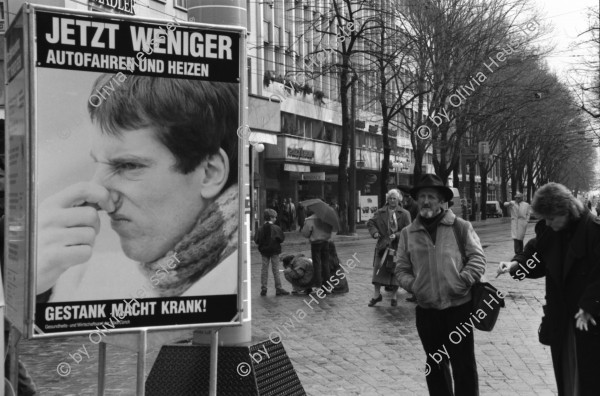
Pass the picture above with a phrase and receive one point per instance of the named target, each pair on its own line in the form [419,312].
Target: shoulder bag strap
[460,240]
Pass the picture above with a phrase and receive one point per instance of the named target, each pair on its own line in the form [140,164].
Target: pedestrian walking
[318,233]
[520,211]
[284,215]
[301,215]
[408,202]
[292,214]
[566,250]
[430,265]
[385,226]
[269,238]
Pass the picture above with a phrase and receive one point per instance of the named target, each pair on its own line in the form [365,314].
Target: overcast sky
[570,19]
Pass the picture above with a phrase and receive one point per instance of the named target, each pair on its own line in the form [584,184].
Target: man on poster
[165,155]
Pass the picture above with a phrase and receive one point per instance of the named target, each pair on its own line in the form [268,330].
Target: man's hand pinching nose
[68,225]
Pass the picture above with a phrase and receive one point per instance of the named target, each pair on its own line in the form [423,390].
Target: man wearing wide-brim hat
[520,211]
[430,265]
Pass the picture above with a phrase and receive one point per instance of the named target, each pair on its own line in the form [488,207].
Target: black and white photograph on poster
[137,192]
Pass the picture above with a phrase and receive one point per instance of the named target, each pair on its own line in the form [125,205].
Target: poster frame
[30,46]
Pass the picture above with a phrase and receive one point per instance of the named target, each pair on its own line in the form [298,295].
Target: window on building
[249,69]
[279,67]
[329,134]
[338,134]
[267,34]
[318,130]
[181,4]
[288,124]
[277,36]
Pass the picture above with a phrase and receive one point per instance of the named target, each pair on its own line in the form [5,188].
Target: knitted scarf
[212,239]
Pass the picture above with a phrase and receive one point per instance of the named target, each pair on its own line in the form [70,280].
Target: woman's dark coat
[379,223]
[570,285]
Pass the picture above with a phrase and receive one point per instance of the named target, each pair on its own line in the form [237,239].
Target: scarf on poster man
[213,238]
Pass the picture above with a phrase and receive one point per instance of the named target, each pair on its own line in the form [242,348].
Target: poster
[368,206]
[136,202]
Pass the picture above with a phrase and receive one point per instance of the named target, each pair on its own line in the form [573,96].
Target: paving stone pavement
[342,346]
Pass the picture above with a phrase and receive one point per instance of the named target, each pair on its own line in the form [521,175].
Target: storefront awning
[262,137]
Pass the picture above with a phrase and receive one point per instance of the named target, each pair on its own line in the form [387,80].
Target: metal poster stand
[214,353]
[13,348]
[101,368]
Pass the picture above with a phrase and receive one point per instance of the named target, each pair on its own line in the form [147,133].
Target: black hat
[429,180]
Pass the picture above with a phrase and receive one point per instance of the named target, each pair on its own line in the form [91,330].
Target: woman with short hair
[385,226]
[566,250]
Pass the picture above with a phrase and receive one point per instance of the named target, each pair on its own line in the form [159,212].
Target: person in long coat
[385,226]
[566,250]
[520,211]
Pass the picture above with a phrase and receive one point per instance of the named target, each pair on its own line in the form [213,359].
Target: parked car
[492,209]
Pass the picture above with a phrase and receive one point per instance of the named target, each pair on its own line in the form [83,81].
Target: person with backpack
[430,265]
[269,238]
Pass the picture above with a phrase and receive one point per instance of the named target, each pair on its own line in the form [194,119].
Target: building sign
[295,152]
[124,6]
[331,178]
[314,176]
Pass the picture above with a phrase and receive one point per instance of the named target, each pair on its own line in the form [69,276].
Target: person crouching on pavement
[269,238]
[430,265]
[318,233]
[566,251]
[298,270]
[385,226]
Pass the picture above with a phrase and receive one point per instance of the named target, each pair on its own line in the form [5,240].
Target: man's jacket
[316,230]
[436,273]
[269,238]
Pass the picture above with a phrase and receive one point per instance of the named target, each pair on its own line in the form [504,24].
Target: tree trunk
[472,189]
[385,162]
[343,157]
[483,172]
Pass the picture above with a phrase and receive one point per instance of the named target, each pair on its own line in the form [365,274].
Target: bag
[544,336]
[387,261]
[390,264]
[485,297]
